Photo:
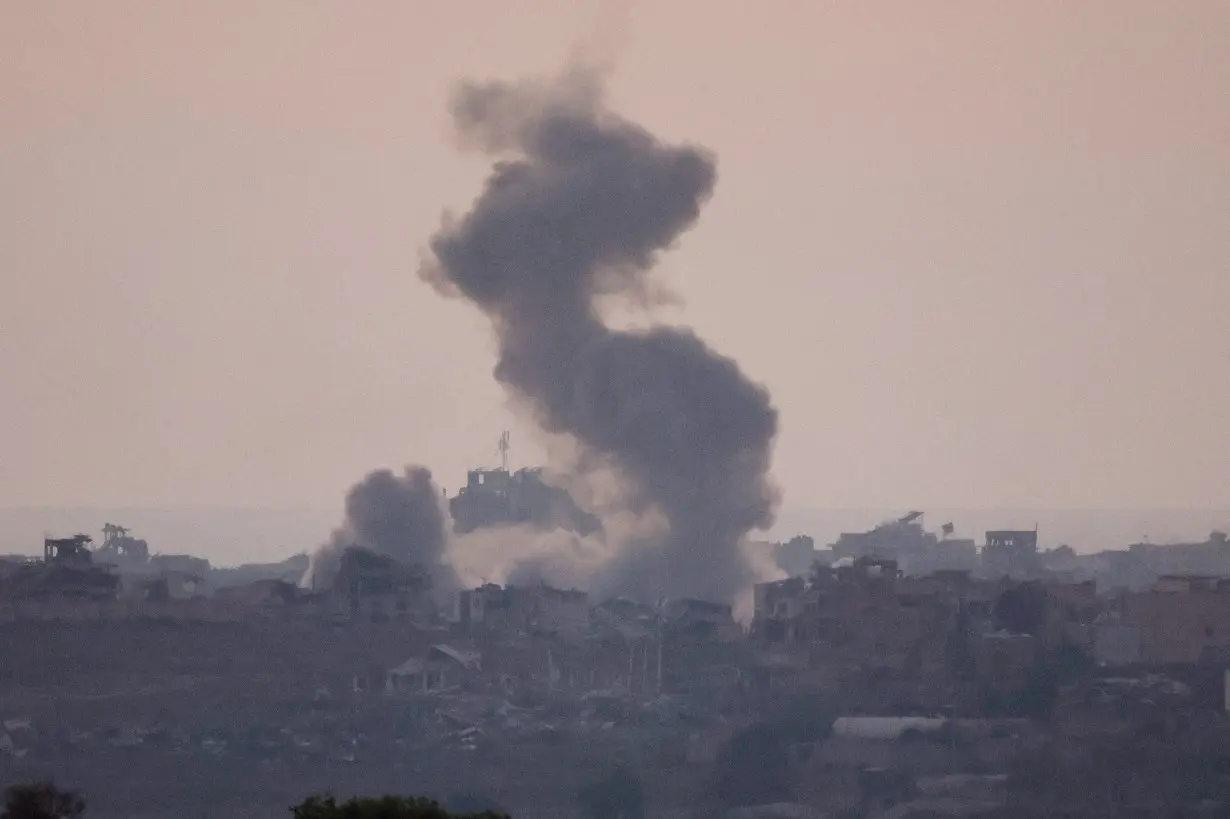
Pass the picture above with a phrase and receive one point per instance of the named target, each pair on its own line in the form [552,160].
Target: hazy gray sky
[979,251]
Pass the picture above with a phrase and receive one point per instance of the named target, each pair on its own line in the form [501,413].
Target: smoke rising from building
[525,555]
[401,516]
[578,206]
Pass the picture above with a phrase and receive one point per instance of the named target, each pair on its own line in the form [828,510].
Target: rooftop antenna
[503,448]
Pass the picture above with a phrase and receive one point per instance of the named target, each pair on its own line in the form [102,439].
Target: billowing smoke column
[577,207]
[400,516]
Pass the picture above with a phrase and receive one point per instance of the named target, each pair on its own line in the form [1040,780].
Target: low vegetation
[41,800]
[44,800]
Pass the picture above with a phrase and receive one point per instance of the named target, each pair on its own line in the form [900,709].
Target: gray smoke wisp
[577,208]
[400,516]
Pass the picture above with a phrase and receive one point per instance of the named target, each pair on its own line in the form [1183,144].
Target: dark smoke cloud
[401,516]
[578,206]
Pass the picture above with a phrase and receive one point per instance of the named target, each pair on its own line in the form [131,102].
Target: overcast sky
[978,251]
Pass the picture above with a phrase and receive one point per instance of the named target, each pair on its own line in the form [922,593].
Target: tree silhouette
[618,796]
[41,800]
[1021,609]
[383,807]
[753,768]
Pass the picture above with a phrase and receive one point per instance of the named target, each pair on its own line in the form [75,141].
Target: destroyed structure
[496,497]
[376,585]
[1011,553]
[914,549]
[119,548]
[538,609]
[123,569]
[67,572]
[499,497]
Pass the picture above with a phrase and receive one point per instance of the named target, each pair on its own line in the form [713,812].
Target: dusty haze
[990,243]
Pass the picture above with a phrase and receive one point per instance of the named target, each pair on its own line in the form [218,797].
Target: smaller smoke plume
[400,516]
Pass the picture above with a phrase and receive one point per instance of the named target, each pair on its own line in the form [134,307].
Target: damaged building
[904,541]
[701,619]
[120,549]
[1140,565]
[865,610]
[1183,619]
[66,572]
[442,667]
[376,585]
[497,497]
[537,609]
[1011,553]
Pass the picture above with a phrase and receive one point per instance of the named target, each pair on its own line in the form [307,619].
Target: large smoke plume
[578,206]
[400,516]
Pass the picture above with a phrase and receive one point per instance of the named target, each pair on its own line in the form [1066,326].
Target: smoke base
[399,516]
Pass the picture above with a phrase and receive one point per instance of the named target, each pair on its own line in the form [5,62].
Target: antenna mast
[503,448]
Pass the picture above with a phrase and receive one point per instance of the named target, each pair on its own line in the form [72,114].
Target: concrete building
[1116,644]
[905,541]
[864,612]
[375,585]
[701,618]
[442,667]
[67,572]
[539,609]
[1178,623]
[1011,553]
[497,497]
